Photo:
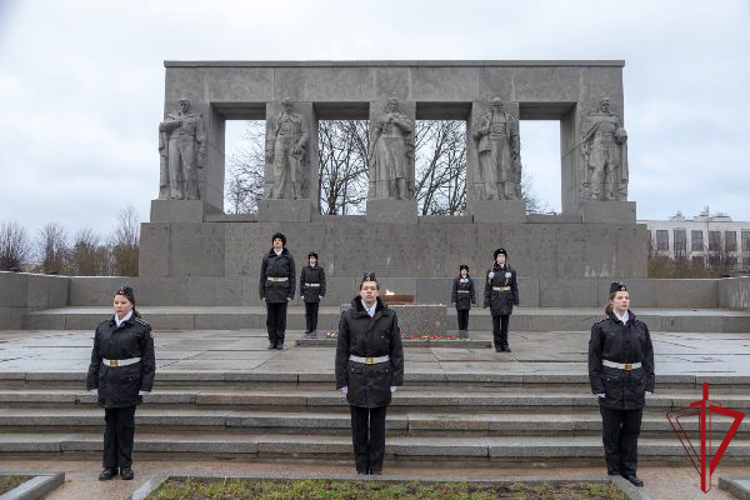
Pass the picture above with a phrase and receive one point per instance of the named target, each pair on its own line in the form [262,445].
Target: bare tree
[15,247]
[440,167]
[52,248]
[125,243]
[534,203]
[247,170]
[88,257]
[343,180]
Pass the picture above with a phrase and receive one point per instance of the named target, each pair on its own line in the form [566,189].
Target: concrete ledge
[629,490]
[738,487]
[456,344]
[39,485]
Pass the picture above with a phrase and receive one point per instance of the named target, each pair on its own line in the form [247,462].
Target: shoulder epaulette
[139,320]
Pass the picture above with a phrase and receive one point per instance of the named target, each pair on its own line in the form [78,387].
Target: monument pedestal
[180,210]
[498,211]
[392,211]
[608,212]
[284,210]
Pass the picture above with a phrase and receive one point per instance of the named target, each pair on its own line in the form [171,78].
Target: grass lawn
[320,489]
[7,483]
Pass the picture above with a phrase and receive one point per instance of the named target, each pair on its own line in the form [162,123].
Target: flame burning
[388,292]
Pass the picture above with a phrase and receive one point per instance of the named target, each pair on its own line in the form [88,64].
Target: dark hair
[377,285]
[127,292]
[312,254]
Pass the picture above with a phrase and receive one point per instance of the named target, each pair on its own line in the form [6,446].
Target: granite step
[514,374]
[527,319]
[293,447]
[542,423]
[523,399]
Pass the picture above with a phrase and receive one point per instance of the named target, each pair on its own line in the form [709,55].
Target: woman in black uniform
[121,372]
[463,296]
[312,289]
[621,372]
[500,295]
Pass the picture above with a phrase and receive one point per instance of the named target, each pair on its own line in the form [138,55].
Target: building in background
[711,239]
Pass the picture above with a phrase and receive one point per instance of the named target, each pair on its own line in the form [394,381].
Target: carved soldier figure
[182,147]
[499,150]
[604,152]
[390,155]
[285,150]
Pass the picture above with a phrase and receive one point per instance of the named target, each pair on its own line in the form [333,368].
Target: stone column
[393,210]
[482,210]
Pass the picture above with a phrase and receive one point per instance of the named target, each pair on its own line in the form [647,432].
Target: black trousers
[276,321]
[311,315]
[368,435]
[118,437]
[620,430]
[463,319]
[500,330]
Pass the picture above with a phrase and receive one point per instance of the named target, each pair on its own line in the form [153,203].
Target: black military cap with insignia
[617,286]
[500,251]
[369,276]
[127,292]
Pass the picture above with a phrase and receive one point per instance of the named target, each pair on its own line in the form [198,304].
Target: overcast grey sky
[82,86]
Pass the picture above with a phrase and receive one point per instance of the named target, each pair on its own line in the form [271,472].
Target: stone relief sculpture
[182,149]
[286,150]
[391,153]
[499,152]
[604,155]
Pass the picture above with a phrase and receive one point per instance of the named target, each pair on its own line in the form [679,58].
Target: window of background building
[696,241]
[662,240]
[730,241]
[680,242]
[746,241]
[714,241]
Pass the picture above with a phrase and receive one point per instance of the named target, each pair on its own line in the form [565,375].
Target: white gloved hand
[602,395]
[302,297]
[345,390]
[320,297]
[95,392]
[144,393]
[649,393]
[393,389]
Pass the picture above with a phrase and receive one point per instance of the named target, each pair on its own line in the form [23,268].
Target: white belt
[463,291]
[622,366]
[369,360]
[501,288]
[312,284]
[114,363]
[277,279]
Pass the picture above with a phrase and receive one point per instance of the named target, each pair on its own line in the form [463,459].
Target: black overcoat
[360,335]
[118,387]
[463,293]
[312,275]
[277,266]
[621,343]
[501,302]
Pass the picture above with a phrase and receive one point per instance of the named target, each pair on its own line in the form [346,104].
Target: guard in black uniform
[621,371]
[463,296]
[369,367]
[121,372]
[500,295]
[312,289]
[277,281]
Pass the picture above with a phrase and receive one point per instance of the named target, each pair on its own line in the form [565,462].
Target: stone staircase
[467,418]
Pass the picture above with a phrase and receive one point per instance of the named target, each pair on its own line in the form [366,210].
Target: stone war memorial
[220,394]
[595,236]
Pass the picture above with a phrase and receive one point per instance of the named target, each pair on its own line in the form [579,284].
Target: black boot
[108,473]
[127,474]
[635,480]
[280,346]
[271,345]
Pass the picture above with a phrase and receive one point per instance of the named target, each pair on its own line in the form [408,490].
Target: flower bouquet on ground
[428,336]
[332,335]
